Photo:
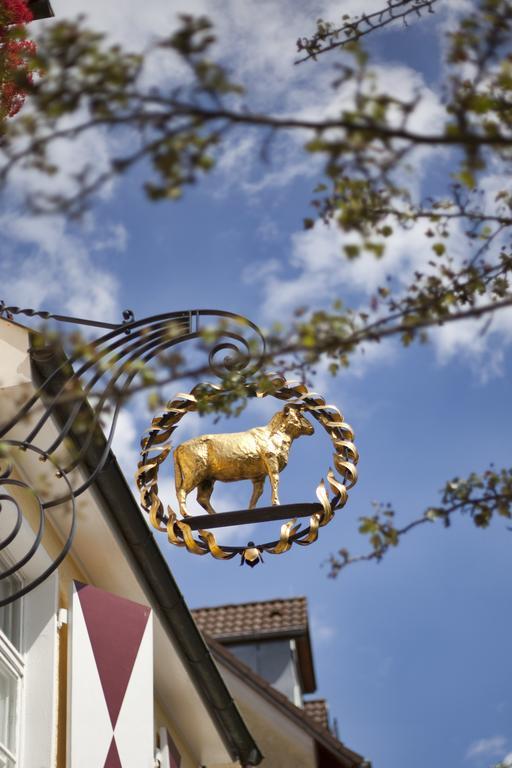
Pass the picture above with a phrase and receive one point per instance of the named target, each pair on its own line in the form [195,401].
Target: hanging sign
[256,454]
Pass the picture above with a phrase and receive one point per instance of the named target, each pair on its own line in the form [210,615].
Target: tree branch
[358,27]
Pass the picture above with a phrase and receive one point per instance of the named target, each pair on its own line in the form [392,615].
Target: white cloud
[257,42]
[45,266]
[317,271]
[481,343]
[125,444]
[268,230]
[314,99]
[114,238]
[88,152]
[322,631]
[493,746]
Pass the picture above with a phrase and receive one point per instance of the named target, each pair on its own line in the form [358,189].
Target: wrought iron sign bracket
[74,393]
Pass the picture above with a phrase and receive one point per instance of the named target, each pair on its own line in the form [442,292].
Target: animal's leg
[187,476]
[181,490]
[204,492]
[272,466]
[182,501]
[257,490]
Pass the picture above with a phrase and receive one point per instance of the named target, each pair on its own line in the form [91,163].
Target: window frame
[35,662]
[13,660]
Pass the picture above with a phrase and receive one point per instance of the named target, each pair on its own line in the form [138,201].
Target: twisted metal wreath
[155,448]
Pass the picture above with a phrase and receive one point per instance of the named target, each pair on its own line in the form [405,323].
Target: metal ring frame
[156,448]
[76,392]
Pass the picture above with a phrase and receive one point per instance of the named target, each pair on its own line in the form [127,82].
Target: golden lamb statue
[250,455]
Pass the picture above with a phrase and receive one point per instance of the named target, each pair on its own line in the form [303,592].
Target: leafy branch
[329,36]
[479,497]
[367,148]
[89,86]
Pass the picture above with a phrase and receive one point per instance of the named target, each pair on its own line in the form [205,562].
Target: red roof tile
[254,620]
[317,710]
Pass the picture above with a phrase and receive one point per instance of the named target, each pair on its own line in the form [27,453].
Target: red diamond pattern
[113,760]
[116,627]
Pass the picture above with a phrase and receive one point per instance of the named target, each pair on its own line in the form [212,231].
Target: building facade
[264,652]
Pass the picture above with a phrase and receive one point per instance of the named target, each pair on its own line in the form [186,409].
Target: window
[28,655]
[275,662]
[10,615]
[11,675]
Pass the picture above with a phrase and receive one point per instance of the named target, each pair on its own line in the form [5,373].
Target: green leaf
[352,251]
[466,177]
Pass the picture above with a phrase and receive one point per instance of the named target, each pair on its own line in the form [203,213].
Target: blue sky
[413,654]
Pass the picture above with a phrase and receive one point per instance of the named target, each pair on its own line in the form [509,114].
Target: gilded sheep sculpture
[251,455]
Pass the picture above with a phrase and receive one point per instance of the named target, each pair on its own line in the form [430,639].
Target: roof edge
[348,758]
[267,601]
[264,634]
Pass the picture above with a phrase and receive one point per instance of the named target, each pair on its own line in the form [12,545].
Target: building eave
[298,631]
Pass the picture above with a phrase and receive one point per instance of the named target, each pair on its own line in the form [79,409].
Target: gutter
[150,567]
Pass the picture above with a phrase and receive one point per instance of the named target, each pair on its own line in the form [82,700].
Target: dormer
[271,637]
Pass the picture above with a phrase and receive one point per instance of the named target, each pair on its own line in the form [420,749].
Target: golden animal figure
[251,455]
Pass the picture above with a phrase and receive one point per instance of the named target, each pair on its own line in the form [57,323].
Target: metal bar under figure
[246,516]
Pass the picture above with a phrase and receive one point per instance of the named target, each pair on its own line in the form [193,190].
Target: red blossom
[15,53]
[14,12]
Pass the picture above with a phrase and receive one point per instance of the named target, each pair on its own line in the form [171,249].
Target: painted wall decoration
[110,681]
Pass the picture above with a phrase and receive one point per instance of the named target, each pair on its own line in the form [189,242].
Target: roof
[254,620]
[40,9]
[317,710]
[151,569]
[263,620]
[340,755]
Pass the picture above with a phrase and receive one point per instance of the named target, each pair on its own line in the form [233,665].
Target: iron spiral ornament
[13,490]
[78,393]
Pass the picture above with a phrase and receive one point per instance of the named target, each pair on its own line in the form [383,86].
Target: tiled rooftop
[253,619]
[316,709]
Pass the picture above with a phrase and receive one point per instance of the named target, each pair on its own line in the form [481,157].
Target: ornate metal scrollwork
[13,487]
[74,393]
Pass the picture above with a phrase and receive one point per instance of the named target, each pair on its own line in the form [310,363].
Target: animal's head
[295,423]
